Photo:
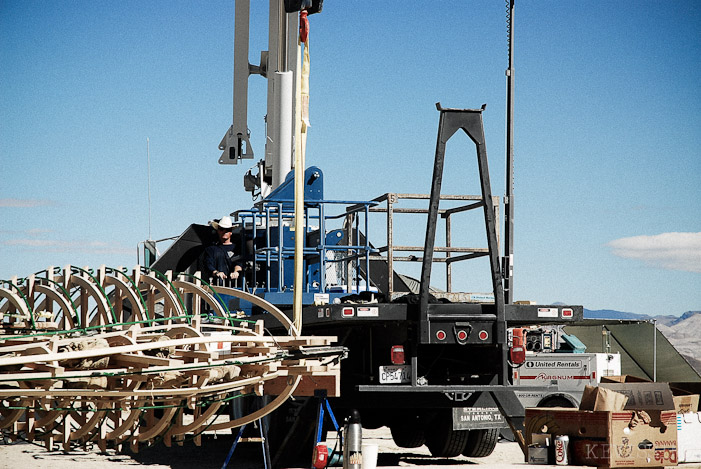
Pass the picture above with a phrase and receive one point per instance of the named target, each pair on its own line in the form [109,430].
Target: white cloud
[88,247]
[671,251]
[24,203]
[37,231]
[29,232]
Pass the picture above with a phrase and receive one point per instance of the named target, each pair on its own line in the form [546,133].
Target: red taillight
[517,355]
[398,355]
[462,335]
[440,335]
[483,335]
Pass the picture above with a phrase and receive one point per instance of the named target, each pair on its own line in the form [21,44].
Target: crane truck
[432,364]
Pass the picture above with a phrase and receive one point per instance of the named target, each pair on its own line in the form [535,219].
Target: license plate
[395,374]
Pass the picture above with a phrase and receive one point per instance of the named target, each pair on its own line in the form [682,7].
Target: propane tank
[352,442]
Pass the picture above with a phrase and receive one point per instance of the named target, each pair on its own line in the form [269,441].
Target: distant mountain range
[667,320]
[684,332]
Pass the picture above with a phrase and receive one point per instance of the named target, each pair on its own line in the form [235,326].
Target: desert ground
[214,451]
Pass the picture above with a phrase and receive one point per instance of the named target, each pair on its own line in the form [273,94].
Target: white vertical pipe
[241,73]
[282,138]
[300,228]
[272,66]
[654,351]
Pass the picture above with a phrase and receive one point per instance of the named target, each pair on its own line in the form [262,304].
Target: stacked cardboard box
[618,425]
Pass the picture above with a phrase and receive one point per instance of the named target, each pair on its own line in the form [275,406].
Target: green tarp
[635,342]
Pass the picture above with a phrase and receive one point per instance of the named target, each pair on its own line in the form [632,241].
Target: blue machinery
[339,259]
[267,238]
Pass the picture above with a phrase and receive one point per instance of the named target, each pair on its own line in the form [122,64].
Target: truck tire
[481,443]
[444,442]
[407,436]
[557,401]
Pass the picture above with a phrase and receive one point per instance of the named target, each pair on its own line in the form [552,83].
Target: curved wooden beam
[63,302]
[263,411]
[126,290]
[158,427]
[15,300]
[165,292]
[201,293]
[261,303]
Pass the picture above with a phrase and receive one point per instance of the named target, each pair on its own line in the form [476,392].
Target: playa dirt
[214,451]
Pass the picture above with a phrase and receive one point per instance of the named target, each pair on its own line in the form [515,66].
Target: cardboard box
[539,449]
[623,379]
[610,439]
[686,404]
[644,396]
[538,454]
[685,395]
[689,437]
[598,398]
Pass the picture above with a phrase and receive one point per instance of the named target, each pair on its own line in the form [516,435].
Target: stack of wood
[115,358]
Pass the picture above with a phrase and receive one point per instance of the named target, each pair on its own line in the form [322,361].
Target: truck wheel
[557,401]
[481,443]
[407,436]
[444,442]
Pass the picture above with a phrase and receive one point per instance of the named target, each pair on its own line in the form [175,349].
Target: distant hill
[666,319]
[684,332]
[613,314]
[686,316]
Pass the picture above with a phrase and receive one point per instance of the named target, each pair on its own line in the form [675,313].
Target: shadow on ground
[211,454]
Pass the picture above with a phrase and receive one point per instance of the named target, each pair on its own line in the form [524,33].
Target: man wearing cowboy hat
[219,258]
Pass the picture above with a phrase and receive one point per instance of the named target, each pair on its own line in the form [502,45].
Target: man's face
[224,234]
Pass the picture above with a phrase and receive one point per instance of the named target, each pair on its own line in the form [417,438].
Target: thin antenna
[508,264]
[148,163]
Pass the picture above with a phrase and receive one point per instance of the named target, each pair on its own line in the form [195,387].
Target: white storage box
[689,437]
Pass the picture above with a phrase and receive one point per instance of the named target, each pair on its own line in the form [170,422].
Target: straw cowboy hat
[224,223]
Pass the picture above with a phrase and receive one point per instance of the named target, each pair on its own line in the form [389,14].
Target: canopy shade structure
[635,342]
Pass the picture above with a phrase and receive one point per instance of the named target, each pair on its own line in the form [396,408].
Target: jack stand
[263,440]
[324,402]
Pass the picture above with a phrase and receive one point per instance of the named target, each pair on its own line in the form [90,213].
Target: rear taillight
[398,355]
[517,355]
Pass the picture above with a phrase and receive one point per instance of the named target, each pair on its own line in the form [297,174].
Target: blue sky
[608,166]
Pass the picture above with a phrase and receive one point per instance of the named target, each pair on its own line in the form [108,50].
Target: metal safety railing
[447,253]
[333,231]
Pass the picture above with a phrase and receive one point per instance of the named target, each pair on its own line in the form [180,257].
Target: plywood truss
[114,357]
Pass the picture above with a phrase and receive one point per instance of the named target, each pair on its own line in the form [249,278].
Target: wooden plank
[52,369]
[148,346]
[329,382]
[146,393]
[132,359]
[197,354]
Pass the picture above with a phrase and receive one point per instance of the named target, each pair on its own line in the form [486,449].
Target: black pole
[509,202]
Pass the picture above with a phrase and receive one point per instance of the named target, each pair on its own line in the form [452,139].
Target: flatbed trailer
[433,366]
[454,379]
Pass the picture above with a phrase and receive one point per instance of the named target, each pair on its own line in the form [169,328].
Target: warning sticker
[368,312]
[547,312]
